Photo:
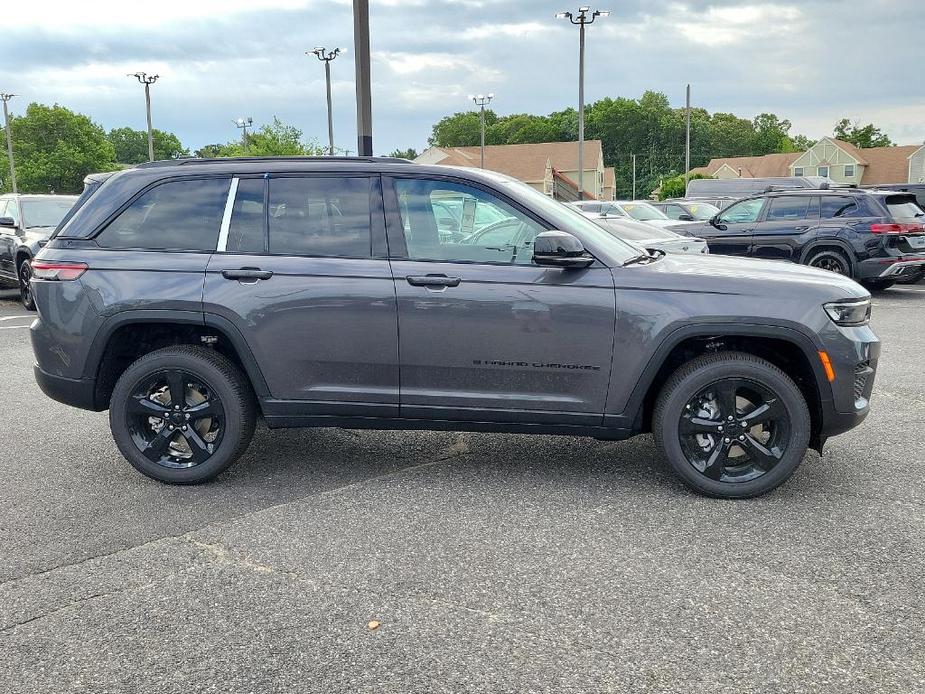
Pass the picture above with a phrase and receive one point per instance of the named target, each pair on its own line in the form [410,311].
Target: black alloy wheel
[25,286]
[833,261]
[734,430]
[731,424]
[182,414]
[175,419]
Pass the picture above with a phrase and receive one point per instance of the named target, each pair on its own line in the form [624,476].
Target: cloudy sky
[812,61]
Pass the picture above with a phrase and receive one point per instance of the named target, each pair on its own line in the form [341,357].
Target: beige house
[841,161]
[550,167]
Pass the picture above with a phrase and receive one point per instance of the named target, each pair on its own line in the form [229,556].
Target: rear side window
[245,231]
[903,207]
[832,207]
[789,208]
[320,216]
[177,215]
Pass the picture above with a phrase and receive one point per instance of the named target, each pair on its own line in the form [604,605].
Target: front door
[301,270]
[789,219]
[485,334]
[8,240]
[730,232]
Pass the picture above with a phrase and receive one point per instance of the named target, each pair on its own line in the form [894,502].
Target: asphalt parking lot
[492,562]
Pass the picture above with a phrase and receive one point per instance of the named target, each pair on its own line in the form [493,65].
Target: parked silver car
[649,237]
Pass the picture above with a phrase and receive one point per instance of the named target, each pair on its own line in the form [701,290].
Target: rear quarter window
[835,207]
[181,215]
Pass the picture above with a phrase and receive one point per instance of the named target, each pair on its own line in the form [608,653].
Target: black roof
[247,160]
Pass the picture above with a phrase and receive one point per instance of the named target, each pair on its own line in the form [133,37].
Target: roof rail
[237,160]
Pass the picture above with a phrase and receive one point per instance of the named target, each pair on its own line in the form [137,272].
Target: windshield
[45,212]
[642,211]
[701,211]
[630,231]
[567,218]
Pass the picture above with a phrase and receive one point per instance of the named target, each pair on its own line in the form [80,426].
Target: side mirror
[685,217]
[559,249]
[7,222]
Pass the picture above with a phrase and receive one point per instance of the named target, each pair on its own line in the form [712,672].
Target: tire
[739,462]
[24,272]
[878,285]
[831,260]
[195,443]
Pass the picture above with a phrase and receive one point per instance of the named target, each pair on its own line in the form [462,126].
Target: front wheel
[731,425]
[25,286]
[182,415]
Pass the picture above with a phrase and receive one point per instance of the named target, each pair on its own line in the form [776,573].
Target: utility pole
[687,140]
[147,81]
[581,20]
[244,124]
[364,96]
[634,177]
[481,100]
[9,137]
[327,57]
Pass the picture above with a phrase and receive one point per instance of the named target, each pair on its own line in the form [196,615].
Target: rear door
[302,272]
[730,232]
[782,232]
[484,333]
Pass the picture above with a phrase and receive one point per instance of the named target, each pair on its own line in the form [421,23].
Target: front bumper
[76,392]
[887,268]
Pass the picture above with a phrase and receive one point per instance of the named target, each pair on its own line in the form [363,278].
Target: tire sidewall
[688,386]
[234,417]
[833,254]
[25,292]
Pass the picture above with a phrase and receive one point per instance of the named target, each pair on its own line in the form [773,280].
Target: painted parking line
[14,327]
[26,317]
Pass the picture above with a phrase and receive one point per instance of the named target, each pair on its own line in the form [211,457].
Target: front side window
[742,212]
[489,230]
[327,216]
[789,208]
[177,215]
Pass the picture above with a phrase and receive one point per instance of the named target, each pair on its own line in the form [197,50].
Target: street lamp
[244,124]
[9,137]
[585,16]
[481,100]
[327,56]
[147,80]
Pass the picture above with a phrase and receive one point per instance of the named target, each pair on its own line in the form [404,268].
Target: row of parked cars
[875,236]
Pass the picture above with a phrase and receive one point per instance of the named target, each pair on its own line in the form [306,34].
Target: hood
[667,223]
[769,279]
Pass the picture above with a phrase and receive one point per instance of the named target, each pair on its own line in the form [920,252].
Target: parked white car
[648,236]
[594,207]
[644,212]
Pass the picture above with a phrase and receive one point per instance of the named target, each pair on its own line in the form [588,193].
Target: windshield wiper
[641,258]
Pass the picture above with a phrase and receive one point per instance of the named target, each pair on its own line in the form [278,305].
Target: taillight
[895,228]
[56,270]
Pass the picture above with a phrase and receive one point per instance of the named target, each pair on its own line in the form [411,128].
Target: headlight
[849,312]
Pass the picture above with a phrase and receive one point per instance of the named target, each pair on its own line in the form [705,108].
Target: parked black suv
[190,297]
[26,222]
[873,236]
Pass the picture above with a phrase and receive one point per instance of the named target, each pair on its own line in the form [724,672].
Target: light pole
[585,16]
[327,57]
[147,80]
[9,137]
[364,93]
[244,124]
[481,101]
[687,139]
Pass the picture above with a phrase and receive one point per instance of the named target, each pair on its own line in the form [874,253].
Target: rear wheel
[182,414]
[831,260]
[25,286]
[731,425]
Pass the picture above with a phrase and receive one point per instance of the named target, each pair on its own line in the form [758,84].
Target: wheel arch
[833,244]
[786,347]
[131,334]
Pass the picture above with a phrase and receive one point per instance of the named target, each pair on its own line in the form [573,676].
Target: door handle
[432,281]
[247,273]
[804,228]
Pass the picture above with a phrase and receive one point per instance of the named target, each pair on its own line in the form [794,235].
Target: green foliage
[861,136]
[132,145]
[55,148]
[409,153]
[209,151]
[276,139]
[461,129]
[675,187]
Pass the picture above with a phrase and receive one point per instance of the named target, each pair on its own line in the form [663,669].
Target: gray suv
[188,298]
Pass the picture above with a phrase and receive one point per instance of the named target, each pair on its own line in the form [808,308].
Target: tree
[801,143]
[276,139]
[131,145]
[863,137]
[460,129]
[55,148]
[409,153]
[674,187]
[771,135]
[209,151]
